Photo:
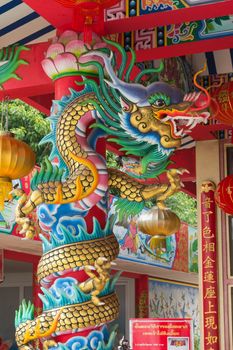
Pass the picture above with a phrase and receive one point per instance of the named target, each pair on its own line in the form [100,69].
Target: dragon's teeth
[190,122]
[194,124]
[179,133]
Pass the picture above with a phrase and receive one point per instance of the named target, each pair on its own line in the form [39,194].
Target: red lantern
[88,15]
[224,195]
[221,105]
[88,3]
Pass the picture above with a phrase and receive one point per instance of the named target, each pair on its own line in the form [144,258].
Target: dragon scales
[147,121]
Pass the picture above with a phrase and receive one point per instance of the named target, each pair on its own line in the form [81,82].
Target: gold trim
[208,186]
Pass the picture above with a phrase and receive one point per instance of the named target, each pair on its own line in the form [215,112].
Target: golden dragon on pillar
[146,121]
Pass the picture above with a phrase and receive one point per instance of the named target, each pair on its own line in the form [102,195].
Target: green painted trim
[70,74]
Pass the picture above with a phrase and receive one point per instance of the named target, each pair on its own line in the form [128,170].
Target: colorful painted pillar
[78,246]
[71,188]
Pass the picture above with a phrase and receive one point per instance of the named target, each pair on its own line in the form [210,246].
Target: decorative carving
[143,305]
[10,61]
[146,121]
[96,283]
[207,186]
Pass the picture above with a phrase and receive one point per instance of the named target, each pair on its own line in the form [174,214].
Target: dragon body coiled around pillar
[74,272]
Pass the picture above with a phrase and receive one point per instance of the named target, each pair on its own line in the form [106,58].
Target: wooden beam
[64,18]
[194,13]
[34,82]
[184,49]
[41,102]
[59,16]
[16,244]
[154,271]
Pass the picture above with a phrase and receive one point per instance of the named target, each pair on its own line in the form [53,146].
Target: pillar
[207,168]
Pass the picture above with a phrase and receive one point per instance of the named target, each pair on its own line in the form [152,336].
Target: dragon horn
[133,92]
[107,62]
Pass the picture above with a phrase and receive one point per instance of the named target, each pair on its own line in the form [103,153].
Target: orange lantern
[156,221]
[224,195]
[221,105]
[16,160]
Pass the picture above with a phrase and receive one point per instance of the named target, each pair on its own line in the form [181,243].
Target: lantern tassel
[87,30]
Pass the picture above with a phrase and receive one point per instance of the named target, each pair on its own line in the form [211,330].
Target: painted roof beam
[63,18]
[185,49]
[189,14]
[42,85]
[41,102]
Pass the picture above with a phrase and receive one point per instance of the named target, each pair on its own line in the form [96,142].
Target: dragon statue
[145,121]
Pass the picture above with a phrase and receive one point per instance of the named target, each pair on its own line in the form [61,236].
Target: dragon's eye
[159,100]
[159,103]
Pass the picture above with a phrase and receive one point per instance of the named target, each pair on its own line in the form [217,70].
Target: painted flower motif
[63,56]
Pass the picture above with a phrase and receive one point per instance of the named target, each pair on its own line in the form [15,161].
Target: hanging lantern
[158,244]
[16,160]
[224,195]
[221,105]
[88,15]
[156,221]
[82,4]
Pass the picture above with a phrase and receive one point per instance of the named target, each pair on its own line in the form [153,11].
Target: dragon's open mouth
[184,124]
[187,114]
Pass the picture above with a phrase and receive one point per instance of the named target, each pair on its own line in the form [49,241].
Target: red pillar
[142,296]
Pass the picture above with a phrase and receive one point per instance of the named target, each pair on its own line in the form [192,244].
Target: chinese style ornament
[88,15]
[16,160]
[221,106]
[158,221]
[224,195]
[79,299]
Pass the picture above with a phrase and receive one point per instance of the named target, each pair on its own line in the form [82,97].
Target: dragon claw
[181,171]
